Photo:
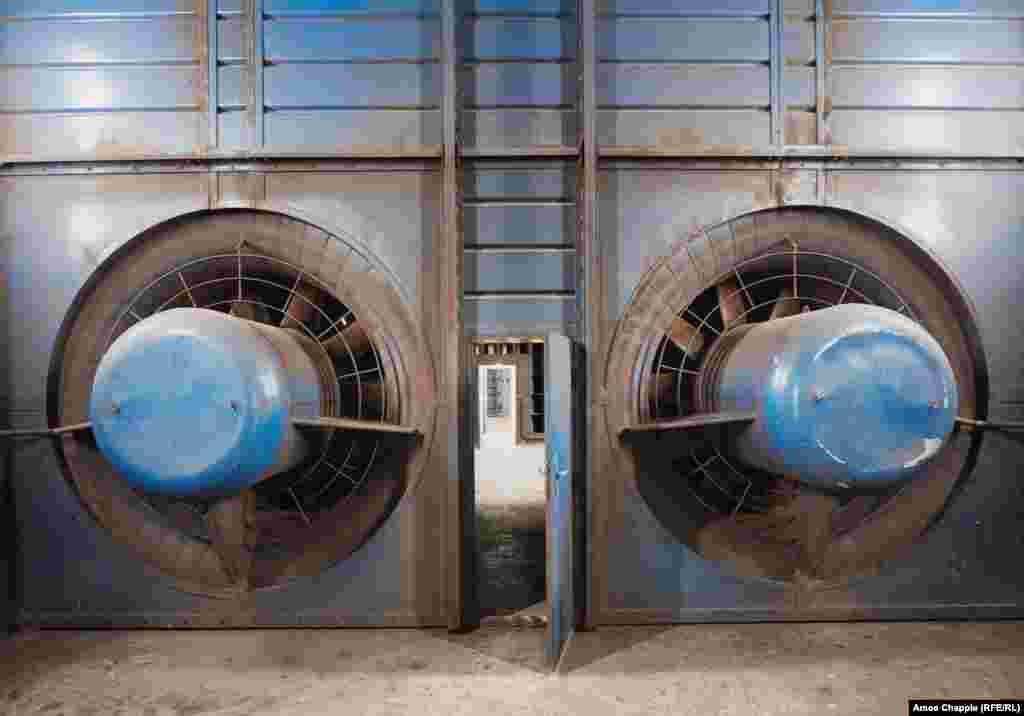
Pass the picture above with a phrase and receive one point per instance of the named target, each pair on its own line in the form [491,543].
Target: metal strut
[990,424]
[692,422]
[45,432]
[330,423]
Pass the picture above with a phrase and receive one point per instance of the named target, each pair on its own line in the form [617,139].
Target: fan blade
[241,309]
[348,338]
[278,526]
[692,422]
[811,528]
[301,305]
[686,336]
[790,540]
[730,303]
[227,523]
[785,305]
[353,425]
[362,401]
[665,388]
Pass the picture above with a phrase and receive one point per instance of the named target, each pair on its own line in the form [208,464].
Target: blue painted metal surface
[558,444]
[518,74]
[848,395]
[195,402]
[683,73]
[518,227]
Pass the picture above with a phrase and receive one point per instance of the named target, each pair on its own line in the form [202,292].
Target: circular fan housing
[194,349]
[823,358]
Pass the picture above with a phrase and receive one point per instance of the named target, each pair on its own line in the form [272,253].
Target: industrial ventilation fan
[241,382]
[791,390]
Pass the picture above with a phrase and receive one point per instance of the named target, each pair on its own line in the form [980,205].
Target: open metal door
[558,441]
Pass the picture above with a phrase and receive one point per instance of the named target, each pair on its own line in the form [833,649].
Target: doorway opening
[511,499]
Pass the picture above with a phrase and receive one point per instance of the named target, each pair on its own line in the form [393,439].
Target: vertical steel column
[256,63]
[212,67]
[589,302]
[776,68]
[8,543]
[453,359]
[820,78]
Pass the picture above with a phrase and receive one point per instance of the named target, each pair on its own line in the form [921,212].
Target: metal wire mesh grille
[748,293]
[271,291]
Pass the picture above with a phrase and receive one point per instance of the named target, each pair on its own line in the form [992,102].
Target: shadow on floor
[523,647]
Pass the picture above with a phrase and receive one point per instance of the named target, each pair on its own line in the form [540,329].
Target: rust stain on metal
[200,41]
[800,128]
[249,188]
[679,137]
[793,185]
[673,148]
[778,188]
[859,183]
[789,540]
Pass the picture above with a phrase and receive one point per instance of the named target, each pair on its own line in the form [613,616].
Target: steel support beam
[458,528]
[590,285]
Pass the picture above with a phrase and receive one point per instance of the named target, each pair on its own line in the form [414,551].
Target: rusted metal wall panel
[799,55]
[971,221]
[521,223]
[232,77]
[519,228]
[511,270]
[683,75]
[932,77]
[518,77]
[8,536]
[975,221]
[925,7]
[8,600]
[355,77]
[58,229]
[109,79]
[104,78]
[642,214]
[489,316]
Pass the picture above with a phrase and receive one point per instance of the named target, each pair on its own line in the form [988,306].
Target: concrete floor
[750,669]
